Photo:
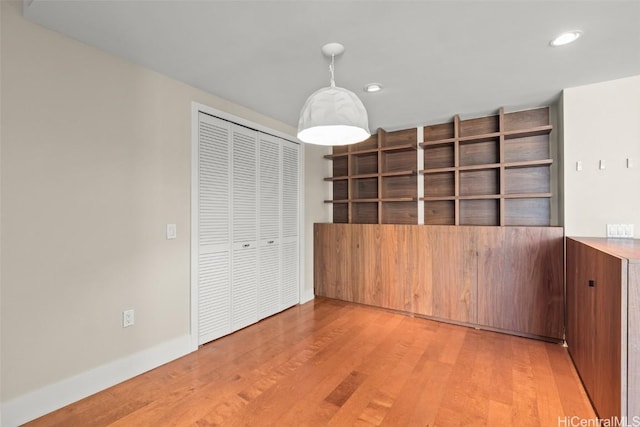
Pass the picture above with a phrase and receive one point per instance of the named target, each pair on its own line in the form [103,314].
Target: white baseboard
[47,399]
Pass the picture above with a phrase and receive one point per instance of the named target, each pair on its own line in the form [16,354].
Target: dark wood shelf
[528,163]
[524,133]
[436,143]
[528,196]
[404,147]
[398,173]
[438,170]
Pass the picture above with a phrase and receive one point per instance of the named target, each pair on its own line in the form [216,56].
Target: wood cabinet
[502,278]
[492,170]
[603,321]
[374,182]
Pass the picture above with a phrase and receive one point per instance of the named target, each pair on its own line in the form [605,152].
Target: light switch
[602,165]
[172,231]
[629,163]
[579,165]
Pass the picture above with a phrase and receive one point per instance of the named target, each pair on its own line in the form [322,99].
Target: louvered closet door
[269,219]
[244,301]
[289,224]
[214,279]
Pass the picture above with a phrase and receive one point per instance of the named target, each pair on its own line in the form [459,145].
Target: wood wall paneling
[497,277]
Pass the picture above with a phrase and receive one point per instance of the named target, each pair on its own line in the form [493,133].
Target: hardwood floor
[329,362]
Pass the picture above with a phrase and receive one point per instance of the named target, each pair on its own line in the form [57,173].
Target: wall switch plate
[579,165]
[602,165]
[172,231]
[620,231]
[128,318]
[629,163]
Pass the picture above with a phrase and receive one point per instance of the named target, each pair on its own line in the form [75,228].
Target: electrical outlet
[128,318]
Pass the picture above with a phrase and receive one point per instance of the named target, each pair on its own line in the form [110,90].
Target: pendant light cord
[331,70]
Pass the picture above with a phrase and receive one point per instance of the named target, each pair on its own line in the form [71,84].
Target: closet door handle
[270,242]
[592,283]
[246,245]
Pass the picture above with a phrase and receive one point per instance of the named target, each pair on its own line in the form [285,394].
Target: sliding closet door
[289,223]
[244,285]
[214,237]
[269,294]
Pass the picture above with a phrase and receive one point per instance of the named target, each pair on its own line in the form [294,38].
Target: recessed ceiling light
[565,38]
[373,87]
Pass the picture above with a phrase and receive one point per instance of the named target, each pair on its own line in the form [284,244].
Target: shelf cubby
[527,180]
[364,212]
[480,182]
[527,211]
[440,184]
[480,152]
[364,188]
[341,190]
[399,213]
[402,186]
[340,213]
[439,156]
[362,164]
[480,211]
[439,212]
[439,132]
[478,127]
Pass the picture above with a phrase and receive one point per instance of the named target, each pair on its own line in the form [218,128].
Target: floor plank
[330,362]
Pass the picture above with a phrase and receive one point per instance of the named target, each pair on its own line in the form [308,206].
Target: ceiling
[434,59]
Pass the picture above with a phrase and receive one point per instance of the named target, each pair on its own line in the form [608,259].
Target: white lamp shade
[333,116]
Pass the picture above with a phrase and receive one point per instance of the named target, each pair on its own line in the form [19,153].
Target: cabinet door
[269,284]
[452,271]
[607,334]
[580,308]
[594,335]
[520,280]
[214,237]
[244,277]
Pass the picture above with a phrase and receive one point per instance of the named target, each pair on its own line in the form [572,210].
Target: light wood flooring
[329,362]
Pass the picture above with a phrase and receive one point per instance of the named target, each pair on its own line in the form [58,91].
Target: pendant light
[333,115]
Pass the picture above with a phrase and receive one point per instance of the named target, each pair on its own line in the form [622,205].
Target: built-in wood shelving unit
[375,181]
[492,170]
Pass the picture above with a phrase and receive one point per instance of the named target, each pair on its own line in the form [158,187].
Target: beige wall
[317,190]
[601,122]
[95,162]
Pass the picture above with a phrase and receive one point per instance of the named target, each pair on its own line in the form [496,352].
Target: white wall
[601,122]
[95,162]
